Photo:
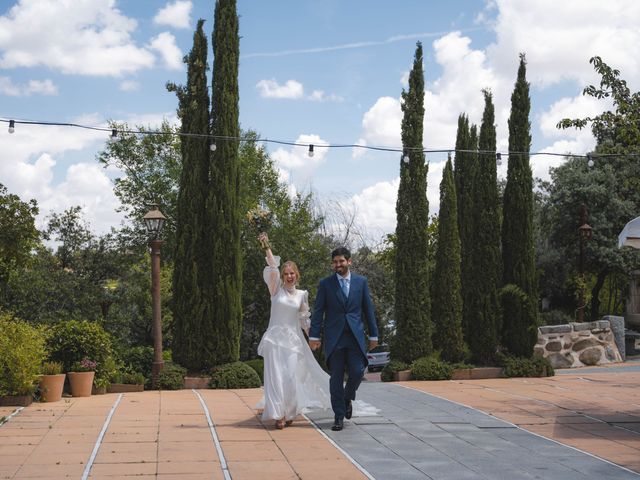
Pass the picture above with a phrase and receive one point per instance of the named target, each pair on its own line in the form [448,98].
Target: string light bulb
[405,156]
[114,135]
[212,146]
[590,161]
[499,158]
[12,126]
[310,152]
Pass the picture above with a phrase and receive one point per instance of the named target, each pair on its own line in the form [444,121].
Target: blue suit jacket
[334,310]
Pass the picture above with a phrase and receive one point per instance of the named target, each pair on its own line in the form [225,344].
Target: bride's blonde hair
[293,267]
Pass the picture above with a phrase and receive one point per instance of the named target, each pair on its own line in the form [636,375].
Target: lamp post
[585,231]
[154,221]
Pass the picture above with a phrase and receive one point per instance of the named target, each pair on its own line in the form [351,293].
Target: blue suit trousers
[347,356]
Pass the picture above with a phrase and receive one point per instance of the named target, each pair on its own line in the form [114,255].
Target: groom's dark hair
[341,252]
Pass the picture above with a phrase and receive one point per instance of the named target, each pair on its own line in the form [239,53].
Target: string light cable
[214,139]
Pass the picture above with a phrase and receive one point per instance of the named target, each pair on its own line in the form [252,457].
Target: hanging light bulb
[405,156]
[12,126]
[499,158]
[212,146]
[590,161]
[310,152]
[114,135]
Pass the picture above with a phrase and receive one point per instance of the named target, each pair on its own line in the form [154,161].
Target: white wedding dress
[294,382]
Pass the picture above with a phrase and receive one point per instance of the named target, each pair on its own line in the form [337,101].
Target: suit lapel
[338,290]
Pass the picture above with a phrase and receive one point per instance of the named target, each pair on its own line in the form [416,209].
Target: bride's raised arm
[271,274]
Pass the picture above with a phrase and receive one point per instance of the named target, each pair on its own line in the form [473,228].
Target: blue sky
[322,72]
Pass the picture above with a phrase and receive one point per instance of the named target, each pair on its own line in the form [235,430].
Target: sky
[325,72]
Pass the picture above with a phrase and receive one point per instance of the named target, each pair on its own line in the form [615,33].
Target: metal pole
[158,362]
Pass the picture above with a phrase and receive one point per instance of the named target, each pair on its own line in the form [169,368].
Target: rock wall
[578,344]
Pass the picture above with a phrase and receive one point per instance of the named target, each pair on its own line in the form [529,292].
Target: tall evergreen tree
[447,297]
[191,219]
[464,162]
[519,298]
[412,303]
[487,270]
[222,289]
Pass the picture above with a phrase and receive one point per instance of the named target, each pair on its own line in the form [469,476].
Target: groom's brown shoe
[349,411]
[337,425]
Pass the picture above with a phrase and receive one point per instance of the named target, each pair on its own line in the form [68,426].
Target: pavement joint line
[528,431]
[8,417]
[96,447]
[214,435]
[340,449]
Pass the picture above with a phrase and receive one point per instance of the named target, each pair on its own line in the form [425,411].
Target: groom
[344,305]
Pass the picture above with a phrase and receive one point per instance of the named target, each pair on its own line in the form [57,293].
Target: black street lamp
[585,231]
[154,221]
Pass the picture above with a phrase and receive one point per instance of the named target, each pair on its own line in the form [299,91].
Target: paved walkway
[216,434]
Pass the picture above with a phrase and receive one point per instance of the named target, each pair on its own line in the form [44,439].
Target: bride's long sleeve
[305,313]
[271,274]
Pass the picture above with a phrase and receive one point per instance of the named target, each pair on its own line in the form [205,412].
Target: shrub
[171,377]
[84,365]
[555,317]
[22,352]
[386,375]
[234,375]
[70,341]
[133,378]
[430,368]
[51,368]
[258,365]
[527,367]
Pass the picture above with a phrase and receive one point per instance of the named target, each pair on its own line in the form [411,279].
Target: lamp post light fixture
[585,232]
[154,221]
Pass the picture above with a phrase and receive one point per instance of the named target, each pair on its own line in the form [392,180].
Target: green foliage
[72,341]
[171,377]
[527,367]
[447,298]
[482,305]
[129,378]
[555,317]
[18,235]
[51,368]
[412,300]
[519,298]
[22,351]
[394,366]
[138,359]
[431,368]
[258,365]
[234,375]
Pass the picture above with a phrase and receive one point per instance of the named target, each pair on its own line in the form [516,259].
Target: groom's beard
[340,270]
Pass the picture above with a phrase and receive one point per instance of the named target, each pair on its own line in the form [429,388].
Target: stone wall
[578,344]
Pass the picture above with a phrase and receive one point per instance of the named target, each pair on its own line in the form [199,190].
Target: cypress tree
[486,270]
[447,297]
[519,301]
[222,290]
[412,303]
[193,111]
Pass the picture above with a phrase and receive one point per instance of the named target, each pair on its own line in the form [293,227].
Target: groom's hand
[373,344]
[314,344]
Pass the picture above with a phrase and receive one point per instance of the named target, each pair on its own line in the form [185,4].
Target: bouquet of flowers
[84,365]
[260,220]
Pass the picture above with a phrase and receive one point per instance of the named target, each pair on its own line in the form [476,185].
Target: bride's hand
[263,238]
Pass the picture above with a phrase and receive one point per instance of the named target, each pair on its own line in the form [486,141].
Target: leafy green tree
[486,270]
[191,221]
[412,307]
[519,332]
[222,269]
[71,231]
[18,235]
[446,307]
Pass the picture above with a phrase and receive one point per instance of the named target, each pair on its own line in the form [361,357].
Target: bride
[294,382]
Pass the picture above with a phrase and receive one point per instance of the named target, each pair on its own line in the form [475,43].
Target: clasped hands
[315,344]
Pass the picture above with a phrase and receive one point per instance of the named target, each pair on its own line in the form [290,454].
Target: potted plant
[51,382]
[21,355]
[81,377]
[124,382]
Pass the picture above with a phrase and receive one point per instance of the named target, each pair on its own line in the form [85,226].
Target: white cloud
[271,89]
[295,164]
[320,96]
[129,86]
[43,87]
[87,37]
[165,44]
[176,14]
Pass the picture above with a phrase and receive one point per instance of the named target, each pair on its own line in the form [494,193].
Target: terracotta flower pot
[81,383]
[51,387]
